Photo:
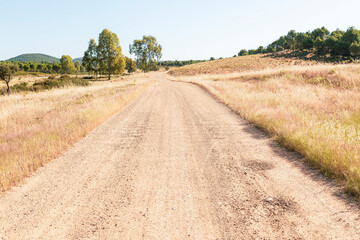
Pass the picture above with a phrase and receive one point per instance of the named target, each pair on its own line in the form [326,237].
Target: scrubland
[313,109]
[36,127]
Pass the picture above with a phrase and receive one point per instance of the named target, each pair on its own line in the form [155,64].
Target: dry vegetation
[314,110]
[37,127]
[237,64]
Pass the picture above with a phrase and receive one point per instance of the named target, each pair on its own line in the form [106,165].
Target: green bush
[20,87]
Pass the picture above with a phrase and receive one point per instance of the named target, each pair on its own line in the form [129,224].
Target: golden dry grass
[37,127]
[237,64]
[313,110]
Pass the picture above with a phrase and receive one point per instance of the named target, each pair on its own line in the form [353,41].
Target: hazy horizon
[186,30]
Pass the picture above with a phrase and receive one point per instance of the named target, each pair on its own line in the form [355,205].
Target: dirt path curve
[176,164]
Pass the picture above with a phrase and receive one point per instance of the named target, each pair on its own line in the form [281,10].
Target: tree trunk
[109,75]
[8,87]
[96,75]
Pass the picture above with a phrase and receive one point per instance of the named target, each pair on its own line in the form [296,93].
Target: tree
[91,59]
[130,65]
[351,35]
[67,65]
[147,52]
[270,49]
[355,50]
[243,52]
[329,44]
[341,48]
[290,40]
[77,66]
[109,53]
[260,50]
[319,45]
[6,73]
[319,33]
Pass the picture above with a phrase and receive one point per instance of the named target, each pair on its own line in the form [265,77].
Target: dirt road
[176,164]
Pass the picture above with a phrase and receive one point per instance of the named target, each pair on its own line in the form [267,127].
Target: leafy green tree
[260,50]
[319,33]
[77,66]
[7,71]
[319,45]
[290,40]
[307,43]
[355,49]
[300,39]
[270,49]
[56,67]
[351,35]
[243,52]
[252,51]
[341,48]
[130,65]
[109,53]
[91,59]
[147,52]
[67,65]
[26,67]
[330,42]
[33,67]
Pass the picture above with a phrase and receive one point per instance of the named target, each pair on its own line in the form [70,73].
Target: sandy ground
[176,164]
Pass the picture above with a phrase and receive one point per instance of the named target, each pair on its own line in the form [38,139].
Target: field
[238,64]
[313,109]
[37,127]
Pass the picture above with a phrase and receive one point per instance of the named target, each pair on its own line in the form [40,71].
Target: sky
[187,29]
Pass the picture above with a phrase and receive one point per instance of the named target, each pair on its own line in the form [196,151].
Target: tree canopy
[340,44]
[109,53]
[7,71]
[148,53]
[130,65]
[91,59]
[67,65]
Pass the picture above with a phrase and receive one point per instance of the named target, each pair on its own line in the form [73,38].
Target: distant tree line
[46,67]
[337,44]
[177,63]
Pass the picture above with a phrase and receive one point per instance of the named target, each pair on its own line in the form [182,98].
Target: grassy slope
[39,57]
[35,57]
[314,110]
[237,64]
[37,127]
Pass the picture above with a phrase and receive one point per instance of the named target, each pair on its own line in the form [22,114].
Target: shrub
[64,76]
[20,87]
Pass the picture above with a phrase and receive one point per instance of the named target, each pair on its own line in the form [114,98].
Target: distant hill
[35,57]
[38,57]
[77,59]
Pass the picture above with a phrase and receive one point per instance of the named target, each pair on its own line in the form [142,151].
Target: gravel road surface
[176,164]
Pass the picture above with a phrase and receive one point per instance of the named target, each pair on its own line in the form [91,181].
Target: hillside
[77,60]
[34,57]
[239,64]
[39,57]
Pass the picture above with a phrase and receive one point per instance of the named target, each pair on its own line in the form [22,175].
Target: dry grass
[238,64]
[313,110]
[37,127]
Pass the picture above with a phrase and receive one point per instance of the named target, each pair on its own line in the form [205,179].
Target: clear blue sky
[187,29]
